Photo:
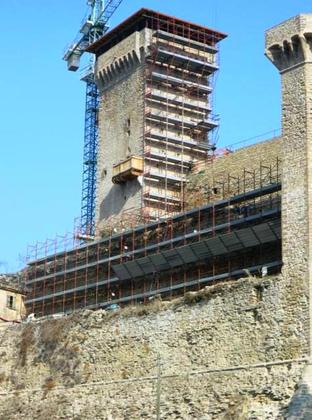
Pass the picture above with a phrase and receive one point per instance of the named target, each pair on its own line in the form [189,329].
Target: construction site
[219,240]
[151,228]
[185,289]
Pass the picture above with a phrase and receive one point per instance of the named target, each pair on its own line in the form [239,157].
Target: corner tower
[289,47]
[154,76]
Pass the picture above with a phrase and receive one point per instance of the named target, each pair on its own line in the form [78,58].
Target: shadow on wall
[117,198]
[300,406]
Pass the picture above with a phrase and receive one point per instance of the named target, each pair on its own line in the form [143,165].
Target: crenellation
[289,44]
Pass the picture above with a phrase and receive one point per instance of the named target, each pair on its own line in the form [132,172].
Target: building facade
[12,306]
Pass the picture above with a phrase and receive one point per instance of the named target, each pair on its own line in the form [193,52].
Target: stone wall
[231,351]
[120,77]
[242,164]
[289,47]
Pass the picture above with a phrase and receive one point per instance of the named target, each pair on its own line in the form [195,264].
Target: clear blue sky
[42,105]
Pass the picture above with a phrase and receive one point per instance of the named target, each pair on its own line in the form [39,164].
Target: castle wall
[289,47]
[234,350]
[235,169]
[248,157]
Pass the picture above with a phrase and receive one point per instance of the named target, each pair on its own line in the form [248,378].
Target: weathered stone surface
[233,350]
[300,406]
[248,164]
[120,124]
[289,47]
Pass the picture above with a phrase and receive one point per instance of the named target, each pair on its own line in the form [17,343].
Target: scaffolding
[140,258]
[177,109]
[183,237]
[212,188]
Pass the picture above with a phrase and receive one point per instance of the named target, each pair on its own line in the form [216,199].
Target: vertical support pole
[75,278]
[229,216]
[97,274]
[109,264]
[86,277]
[64,281]
[158,389]
[33,294]
[54,277]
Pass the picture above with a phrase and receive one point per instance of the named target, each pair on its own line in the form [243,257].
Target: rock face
[230,351]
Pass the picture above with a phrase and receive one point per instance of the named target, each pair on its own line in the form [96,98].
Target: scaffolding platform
[164,160]
[177,122]
[184,41]
[179,103]
[179,142]
[185,61]
[179,82]
[128,169]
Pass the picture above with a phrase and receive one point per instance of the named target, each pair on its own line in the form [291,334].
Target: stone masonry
[121,82]
[231,351]
[154,77]
[289,47]
[266,154]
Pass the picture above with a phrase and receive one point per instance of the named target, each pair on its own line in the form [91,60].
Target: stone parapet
[289,44]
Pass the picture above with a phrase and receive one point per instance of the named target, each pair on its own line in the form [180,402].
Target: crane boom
[95,25]
[93,28]
[109,10]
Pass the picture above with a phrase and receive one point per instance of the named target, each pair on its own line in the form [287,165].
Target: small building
[12,307]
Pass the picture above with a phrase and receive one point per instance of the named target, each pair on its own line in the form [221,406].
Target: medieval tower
[154,73]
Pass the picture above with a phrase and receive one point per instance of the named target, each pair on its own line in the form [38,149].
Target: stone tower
[289,47]
[154,75]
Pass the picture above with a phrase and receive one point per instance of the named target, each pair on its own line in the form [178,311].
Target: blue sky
[42,105]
